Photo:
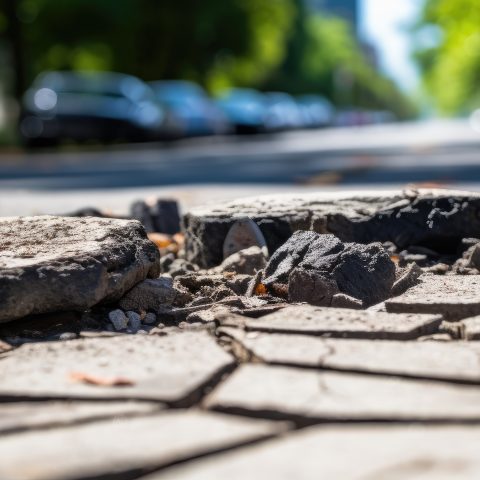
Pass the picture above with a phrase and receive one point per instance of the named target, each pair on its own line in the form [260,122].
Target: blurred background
[260,94]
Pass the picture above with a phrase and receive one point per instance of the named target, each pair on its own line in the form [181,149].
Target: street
[435,152]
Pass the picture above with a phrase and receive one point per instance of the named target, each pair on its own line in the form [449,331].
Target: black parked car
[91,106]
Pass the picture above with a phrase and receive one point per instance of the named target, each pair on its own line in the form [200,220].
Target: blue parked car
[246,109]
[195,113]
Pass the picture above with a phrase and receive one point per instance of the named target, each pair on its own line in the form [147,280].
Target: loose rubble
[343,309]
[316,267]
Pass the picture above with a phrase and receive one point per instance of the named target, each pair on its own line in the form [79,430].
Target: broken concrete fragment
[471,328]
[52,264]
[309,396]
[151,294]
[453,296]
[406,278]
[343,323]
[118,319]
[316,267]
[247,261]
[172,368]
[157,215]
[123,446]
[310,286]
[438,219]
[440,360]
[340,300]
[347,453]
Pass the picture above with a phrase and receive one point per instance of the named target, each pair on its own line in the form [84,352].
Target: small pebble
[118,319]
[142,332]
[134,321]
[150,318]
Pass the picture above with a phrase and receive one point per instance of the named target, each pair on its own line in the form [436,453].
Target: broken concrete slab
[308,396]
[341,322]
[347,453]
[449,361]
[438,219]
[172,368]
[21,416]
[120,447]
[52,263]
[453,296]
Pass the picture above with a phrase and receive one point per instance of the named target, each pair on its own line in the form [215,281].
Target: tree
[216,42]
[324,56]
[451,68]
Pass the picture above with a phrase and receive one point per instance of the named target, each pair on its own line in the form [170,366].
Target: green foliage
[325,57]
[452,68]
[216,42]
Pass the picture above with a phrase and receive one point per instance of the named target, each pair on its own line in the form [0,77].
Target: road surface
[439,152]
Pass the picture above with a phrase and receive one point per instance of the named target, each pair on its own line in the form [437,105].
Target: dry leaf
[260,289]
[161,240]
[100,381]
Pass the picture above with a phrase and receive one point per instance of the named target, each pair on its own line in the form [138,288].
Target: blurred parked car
[91,106]
[246,109]
[194,111]
[283,111]
[316,111]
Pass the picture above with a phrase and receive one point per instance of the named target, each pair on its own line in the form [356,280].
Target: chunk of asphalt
[50,264]
[342,323]
[316,267]
[437,219]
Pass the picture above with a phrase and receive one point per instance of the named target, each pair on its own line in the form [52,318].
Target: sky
[384,23]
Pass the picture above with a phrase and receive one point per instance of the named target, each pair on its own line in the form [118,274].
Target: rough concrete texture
[172,368]
[247,261]
[311,396]
[124,448]
[340,322]
[21,416]
[151,294]
[316,267]
[347,453]
[61,263]
[449,361]
[453,296]
[435,218]
[470,328]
